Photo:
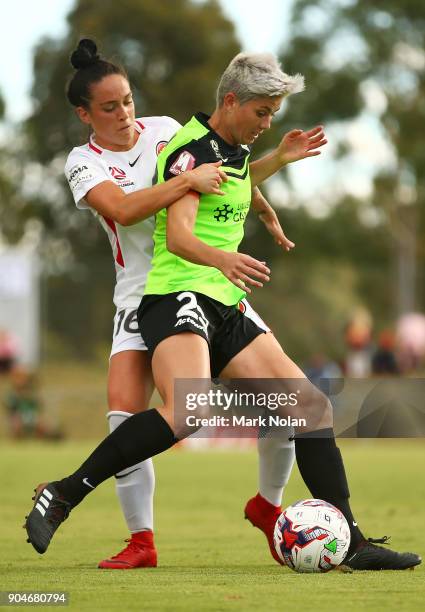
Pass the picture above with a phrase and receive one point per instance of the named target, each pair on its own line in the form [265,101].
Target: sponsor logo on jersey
[184,162]
[75,171]
[160,146]
[117,173]
[131,164]
[78,174]
[120,176]
[216,149]
[223,213]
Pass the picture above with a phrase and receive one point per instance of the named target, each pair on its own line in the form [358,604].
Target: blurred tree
[13,208]
[174,51]
[313,290]
[366,60]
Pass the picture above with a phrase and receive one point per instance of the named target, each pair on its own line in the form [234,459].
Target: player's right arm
[126,209]
[242,270]
[89,183]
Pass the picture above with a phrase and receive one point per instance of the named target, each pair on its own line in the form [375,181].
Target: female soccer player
[112,175]
[188,315]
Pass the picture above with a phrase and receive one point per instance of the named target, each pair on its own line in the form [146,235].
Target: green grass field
[210,559]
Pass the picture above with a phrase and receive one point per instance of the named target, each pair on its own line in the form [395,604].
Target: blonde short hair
[257,75]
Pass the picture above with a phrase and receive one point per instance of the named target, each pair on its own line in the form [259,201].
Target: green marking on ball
[331,546]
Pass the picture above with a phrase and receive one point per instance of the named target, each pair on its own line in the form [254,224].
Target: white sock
[135,490]
[276,455]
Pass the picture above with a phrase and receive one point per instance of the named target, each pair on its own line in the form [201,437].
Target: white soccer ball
[312,536]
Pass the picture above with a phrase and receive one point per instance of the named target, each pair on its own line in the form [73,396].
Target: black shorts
[227,329]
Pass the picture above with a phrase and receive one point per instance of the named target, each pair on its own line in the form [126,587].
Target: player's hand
[207,178]
[243,270]
[270,220]
[298,144]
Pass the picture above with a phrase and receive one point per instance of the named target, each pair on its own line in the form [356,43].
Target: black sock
[322,469]
[138,438]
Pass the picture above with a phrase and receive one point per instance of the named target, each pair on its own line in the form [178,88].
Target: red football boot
[262,514]
[139,552]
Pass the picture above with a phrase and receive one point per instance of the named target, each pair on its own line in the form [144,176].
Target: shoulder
[156,132]
[185,157]
[190,147]
[80,155]
[83,166]
[164,127]
[159,122]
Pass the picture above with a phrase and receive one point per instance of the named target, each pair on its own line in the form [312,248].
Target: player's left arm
[267,215]
[295,145]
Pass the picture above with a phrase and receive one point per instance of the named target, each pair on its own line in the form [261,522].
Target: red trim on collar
[141,126]
[96,149]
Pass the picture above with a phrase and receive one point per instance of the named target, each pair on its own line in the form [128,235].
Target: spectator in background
[321,367]
[324,373]
[24,407]
[383,360]
[8,351]
[358,335]
[410,342]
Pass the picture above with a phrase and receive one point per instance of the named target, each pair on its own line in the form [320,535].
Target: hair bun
[85,54]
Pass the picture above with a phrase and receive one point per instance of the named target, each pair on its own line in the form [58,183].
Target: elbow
[174,245]
[127,221]
[124,218]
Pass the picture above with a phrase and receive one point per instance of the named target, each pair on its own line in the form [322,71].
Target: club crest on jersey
[184,162]
[160,146]
[117,173]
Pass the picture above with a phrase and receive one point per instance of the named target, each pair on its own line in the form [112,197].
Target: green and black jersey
[220,219]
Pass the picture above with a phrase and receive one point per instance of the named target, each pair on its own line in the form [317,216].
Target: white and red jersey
[90,165]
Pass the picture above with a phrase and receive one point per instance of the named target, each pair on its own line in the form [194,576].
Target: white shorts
[126,335]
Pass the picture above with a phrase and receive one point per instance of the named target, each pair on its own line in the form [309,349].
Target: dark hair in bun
[85,54]
[90,68]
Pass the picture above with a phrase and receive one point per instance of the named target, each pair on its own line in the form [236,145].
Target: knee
[120,400]
[318,403]
[315,408]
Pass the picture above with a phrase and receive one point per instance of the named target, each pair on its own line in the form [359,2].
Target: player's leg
[276,456]
[276,453]
[323,474]
[130,387]
[319,459]
[140,437]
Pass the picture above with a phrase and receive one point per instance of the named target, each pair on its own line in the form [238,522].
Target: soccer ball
[311,536]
